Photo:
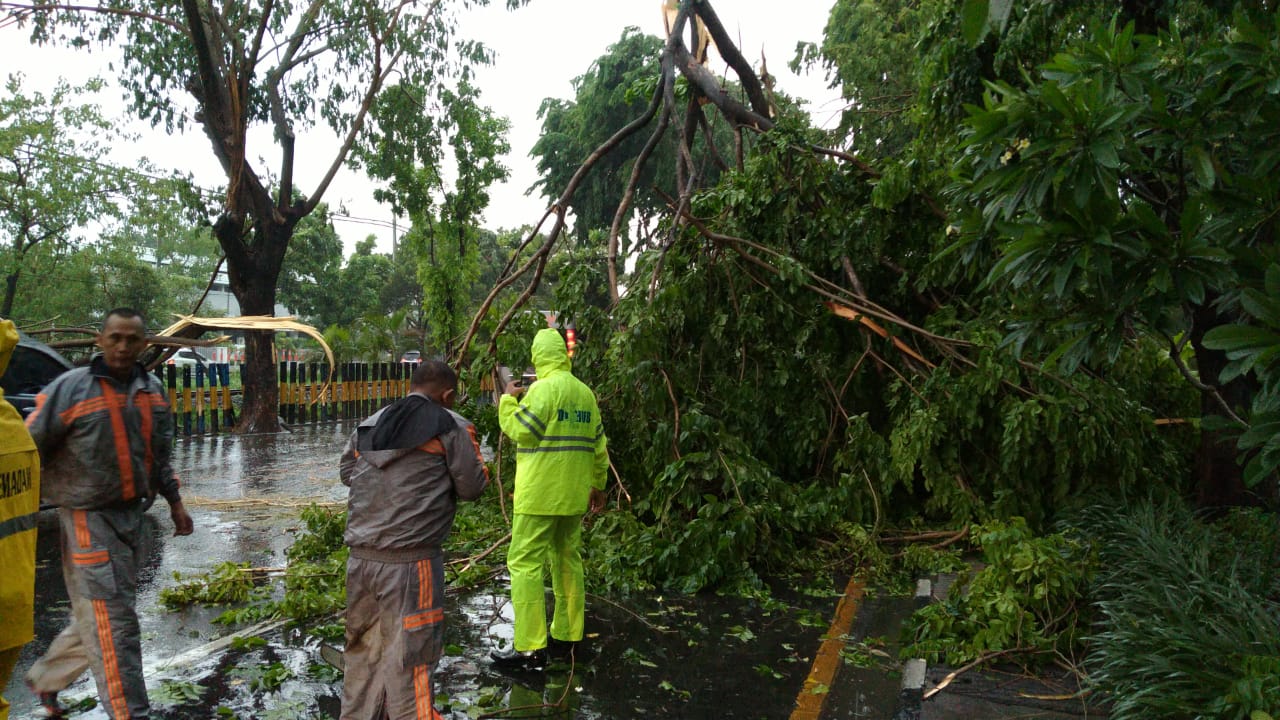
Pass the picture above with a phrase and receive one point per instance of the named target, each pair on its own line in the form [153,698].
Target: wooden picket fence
[202,396]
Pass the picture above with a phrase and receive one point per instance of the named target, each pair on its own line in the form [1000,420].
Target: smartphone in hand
[503,379]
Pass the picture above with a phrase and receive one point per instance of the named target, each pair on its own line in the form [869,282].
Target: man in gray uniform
[406,465]
[105,436]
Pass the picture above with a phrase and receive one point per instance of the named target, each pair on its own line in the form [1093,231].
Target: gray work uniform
[105,447]
[399,514]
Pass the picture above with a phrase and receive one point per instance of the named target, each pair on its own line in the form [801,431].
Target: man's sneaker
[49,703]
[515,660]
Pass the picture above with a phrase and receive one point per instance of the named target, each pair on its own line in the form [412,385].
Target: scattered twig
[875,500]
[919,537]
[618,479]
[250,503]
[951,676]
[470,561]
[497,476]
[633,614]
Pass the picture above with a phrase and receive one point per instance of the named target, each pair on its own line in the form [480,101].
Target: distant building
[221,298]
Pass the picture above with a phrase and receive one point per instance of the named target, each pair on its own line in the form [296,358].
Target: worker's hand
[597,501]
[513,388]
[182,524]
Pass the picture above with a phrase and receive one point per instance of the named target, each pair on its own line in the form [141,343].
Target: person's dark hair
[434,374]
[124,312]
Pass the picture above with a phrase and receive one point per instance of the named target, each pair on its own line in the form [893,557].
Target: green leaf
[1202,167]
[1265,309]
[1104,152]
[973,20]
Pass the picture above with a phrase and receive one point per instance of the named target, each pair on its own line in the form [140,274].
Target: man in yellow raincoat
[19,503]
[561,465]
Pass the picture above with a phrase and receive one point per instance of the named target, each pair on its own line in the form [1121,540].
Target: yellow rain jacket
[19,503]
[560,443]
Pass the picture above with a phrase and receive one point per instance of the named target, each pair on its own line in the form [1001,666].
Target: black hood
[405,423]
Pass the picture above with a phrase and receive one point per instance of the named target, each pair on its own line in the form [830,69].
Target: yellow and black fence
[204,398]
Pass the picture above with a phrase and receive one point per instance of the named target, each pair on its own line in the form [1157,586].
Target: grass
[1189,613]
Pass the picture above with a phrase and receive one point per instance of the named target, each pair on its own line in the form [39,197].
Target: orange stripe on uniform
[81,521]
[426,594]
[432,447]
[110,666]
[83,408]
[427,617]
[40,401]
[94,557]
[124,458]
[475,443]
[422,692]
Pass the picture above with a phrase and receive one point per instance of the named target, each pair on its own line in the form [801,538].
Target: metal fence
[204,397]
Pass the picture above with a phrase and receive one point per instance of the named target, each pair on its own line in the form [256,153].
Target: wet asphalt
[654,656]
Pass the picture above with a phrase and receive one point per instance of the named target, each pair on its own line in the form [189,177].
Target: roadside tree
[445,237]
[261,63]
[54,182]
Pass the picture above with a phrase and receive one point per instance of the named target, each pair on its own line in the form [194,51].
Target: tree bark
[252,273]
[1219,474]
[10,292]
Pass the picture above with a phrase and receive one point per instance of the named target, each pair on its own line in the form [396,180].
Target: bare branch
[557,208]
[1175,353]
[251,59]
[630,192]
[729,51]
[708,85]
[378,77]
[19,11]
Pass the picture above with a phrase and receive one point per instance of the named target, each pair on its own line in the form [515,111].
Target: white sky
[540,49]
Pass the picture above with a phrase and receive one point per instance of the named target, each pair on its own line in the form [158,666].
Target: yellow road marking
[827,661]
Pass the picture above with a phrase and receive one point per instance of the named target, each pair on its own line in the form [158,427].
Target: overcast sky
[540,49]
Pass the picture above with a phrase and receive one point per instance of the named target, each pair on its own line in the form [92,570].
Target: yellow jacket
[561,449]
[19,503]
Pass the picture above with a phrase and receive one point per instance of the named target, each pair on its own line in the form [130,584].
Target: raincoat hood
[550,353]
[8,341]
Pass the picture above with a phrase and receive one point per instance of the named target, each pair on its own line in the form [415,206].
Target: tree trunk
[10,291]
[1219,473]
[252,273]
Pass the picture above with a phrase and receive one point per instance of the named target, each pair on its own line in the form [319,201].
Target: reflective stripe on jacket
[103,442]
[19,503]
[561,449]
[402,501]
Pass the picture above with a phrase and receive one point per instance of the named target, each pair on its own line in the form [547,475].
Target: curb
[911,695]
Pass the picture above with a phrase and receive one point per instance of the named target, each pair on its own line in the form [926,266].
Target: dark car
[31,367]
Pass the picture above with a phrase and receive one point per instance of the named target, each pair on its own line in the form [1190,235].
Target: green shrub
[1189,613]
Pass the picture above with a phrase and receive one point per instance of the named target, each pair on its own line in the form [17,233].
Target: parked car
[188,357]
[32,366]
[411,356]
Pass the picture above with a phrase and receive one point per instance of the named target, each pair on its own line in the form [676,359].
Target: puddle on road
[701,656]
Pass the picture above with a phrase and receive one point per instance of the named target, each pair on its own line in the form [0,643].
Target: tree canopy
[269,64]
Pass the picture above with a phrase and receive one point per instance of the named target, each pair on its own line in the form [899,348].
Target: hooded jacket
[19,503]
[407,465]
[561,449]
[104,442]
